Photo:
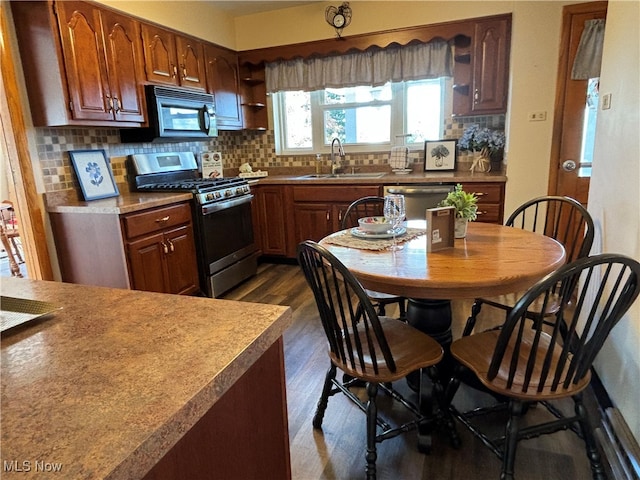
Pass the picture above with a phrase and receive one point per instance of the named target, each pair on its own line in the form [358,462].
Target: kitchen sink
[343,175]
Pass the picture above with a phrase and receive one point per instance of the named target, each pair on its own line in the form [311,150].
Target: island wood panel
[90,249]
[243,436]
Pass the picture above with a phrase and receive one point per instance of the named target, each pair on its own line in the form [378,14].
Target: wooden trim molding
[20,177]
[342,45]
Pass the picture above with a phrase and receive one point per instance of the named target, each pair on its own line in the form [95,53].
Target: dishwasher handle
[430,190]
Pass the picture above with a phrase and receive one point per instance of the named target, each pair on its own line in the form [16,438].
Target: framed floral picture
[440,155]
[94,174]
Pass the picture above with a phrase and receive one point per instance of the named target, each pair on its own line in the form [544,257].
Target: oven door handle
[418,190]
[233,202]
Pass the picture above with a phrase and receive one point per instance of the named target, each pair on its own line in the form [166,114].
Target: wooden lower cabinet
[151,250]
[318,210]
[243,436]
[490,200]
[161,250]
[269,211]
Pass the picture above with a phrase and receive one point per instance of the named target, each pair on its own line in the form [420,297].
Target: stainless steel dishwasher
[420,196]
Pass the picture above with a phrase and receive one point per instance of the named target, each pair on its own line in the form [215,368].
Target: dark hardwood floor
[337,451]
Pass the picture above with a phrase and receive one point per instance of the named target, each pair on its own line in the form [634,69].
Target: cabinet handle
[171,247]
[165,248]
[476,95]
[184,72]
[340,216]
[175,71]
[163,219]
[110,104]
[481,194]
[116,104]
[481,212]
[328,215]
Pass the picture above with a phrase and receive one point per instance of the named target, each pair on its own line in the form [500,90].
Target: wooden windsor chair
[372,349]
[540,358]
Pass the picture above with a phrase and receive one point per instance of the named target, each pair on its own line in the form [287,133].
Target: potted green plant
[466,206]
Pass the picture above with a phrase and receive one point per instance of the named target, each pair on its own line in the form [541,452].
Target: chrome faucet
[335,166]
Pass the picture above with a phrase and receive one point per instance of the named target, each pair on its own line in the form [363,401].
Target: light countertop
[107,385]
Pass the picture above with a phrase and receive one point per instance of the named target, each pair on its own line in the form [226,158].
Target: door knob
[569,165]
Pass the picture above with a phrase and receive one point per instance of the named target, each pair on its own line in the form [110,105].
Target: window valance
[373,67]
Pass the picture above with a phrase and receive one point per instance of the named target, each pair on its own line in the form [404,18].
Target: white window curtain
[589,54]
[373,67]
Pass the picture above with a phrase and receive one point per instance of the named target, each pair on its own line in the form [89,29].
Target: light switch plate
[606,101]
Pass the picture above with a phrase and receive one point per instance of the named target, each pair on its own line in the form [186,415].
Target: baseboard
[620,448]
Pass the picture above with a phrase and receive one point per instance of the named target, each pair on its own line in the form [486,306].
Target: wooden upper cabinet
[490,68]
[481,67]
[123,51]
[82,64]
[173,59]
[102,56]
[81,34]
[223,82]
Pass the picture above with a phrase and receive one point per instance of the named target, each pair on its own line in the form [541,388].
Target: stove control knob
[209,196]
[239,191]
[218,195]
[228,193]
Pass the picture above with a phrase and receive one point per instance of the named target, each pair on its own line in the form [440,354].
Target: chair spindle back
[349,320]
[595,292]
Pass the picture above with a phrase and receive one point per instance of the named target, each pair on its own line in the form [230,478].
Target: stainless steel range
[221,214]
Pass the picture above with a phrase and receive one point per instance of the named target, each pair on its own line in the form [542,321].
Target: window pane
[589,127]
[424,110]
[357,94]
[297,120]
[358,125]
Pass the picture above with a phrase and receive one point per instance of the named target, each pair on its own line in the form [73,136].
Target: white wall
[614,195]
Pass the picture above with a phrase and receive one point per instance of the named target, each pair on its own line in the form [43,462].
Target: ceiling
[240,7]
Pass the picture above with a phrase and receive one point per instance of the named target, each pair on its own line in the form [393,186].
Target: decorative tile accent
[237,147]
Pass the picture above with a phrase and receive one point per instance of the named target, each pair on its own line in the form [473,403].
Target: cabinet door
[123,49]
[271,221]
[147,265]
[84,61]
[490,66]
[223,82]
[190,63]
[181,261]
[312,221]
[159,55]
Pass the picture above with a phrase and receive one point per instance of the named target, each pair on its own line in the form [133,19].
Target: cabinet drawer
[149,221]
[489,213]
[333,193]
[486,192]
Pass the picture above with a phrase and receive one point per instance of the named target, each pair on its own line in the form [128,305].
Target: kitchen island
[123,384]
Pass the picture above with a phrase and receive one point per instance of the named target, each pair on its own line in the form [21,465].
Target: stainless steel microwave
[175,114]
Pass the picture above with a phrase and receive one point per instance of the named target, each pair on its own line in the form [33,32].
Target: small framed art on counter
[94,174]
[440,155]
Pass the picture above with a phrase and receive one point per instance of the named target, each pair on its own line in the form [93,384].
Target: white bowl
[374,224]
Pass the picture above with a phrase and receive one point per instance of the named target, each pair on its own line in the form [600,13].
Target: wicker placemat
[345,239]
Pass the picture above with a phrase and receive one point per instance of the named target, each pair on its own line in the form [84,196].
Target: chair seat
[412,350]
[476,351]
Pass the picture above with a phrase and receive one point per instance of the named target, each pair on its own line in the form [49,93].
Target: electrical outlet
[606,101]
[540,116]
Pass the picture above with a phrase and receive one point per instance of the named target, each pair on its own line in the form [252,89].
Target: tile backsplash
[256,148]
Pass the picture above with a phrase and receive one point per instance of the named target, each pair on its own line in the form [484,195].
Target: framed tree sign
[440,155]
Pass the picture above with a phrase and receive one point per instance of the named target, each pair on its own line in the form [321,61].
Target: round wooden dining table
[491,260]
